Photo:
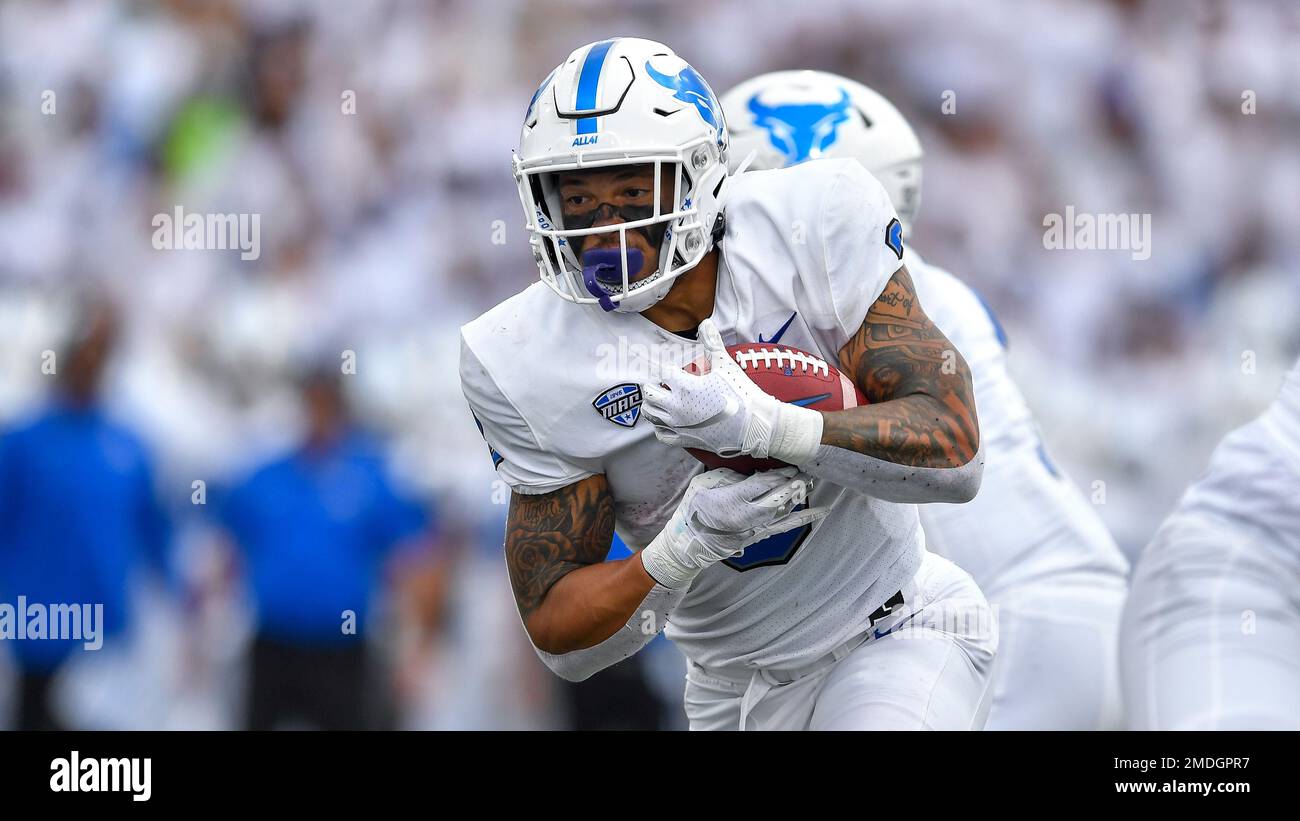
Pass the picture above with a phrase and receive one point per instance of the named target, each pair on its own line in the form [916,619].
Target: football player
[802,597]
[1041,554]
[1211,633]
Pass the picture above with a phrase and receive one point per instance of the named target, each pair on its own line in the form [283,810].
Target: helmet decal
[689,87]
[533,101]
[789,117]
[589,82]
[801,131]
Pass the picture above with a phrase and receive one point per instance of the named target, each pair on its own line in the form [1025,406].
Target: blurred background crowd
[235,452]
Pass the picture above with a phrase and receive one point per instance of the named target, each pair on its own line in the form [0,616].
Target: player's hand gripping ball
[724,420]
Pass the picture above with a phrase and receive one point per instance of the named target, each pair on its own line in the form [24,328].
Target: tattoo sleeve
[922,411]
[552,534]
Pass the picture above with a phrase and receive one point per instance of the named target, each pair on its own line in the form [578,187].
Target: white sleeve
[862,246]
[516,453]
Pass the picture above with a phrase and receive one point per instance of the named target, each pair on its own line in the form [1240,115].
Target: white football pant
[925,666]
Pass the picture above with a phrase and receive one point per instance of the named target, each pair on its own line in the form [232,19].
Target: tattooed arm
[922,410]
[918,440]
[584,614]
[581,612]
[568,596]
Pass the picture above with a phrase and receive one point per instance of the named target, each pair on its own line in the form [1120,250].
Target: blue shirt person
[79,514]
[314,528]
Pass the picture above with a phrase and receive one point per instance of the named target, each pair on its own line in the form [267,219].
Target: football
[790,375]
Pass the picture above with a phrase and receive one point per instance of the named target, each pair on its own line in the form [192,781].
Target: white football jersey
[1253,480]
[1028,520]
[556,388]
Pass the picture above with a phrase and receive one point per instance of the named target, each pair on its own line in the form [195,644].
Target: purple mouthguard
[604,266]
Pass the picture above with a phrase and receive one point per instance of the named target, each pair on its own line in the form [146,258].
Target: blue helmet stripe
[588,81]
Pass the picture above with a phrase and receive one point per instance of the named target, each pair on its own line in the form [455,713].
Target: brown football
[790,375]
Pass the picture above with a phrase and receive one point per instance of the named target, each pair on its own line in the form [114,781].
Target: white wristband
[796,435]
[662,558]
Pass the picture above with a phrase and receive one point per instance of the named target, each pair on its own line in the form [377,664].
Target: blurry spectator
[78,512]
[314,529]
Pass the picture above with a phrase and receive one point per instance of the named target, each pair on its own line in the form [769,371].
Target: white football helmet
[791,116]
[624,101]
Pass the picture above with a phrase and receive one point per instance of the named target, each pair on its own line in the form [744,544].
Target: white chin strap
[643,298]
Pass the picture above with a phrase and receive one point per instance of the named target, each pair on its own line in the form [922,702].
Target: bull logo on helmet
[688,86]
[533,102]
[801,131]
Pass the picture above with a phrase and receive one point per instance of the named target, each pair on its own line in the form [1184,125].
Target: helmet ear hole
[688,182]
[546,200]
[546,197]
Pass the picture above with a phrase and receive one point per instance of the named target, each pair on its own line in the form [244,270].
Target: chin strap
[720,223]
[719,229]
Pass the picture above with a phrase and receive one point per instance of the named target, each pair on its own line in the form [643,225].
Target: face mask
[653,234]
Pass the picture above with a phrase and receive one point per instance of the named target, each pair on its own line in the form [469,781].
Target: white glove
[721,514]
[724,412]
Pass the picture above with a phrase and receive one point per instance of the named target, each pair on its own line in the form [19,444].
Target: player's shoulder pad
[523,348]
[805,183]
[508,317]
[493,341]
[523,328]
[827,196]
[856,201]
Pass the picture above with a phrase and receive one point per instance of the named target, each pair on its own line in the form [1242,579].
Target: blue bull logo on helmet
[689,87]
[801,131]
[533,101]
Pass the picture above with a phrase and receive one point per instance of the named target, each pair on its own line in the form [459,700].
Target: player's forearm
[626,630]
[588,605]
[869,453]
[916,430]
[910,450]
[569,597]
